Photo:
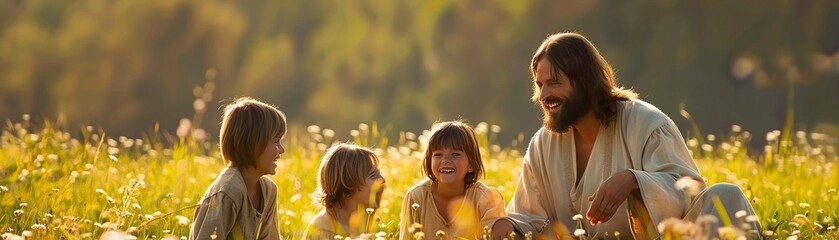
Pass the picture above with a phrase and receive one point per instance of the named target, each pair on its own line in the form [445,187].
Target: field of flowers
[58,182]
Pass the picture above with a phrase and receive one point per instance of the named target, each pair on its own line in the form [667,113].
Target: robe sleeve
[664,160]
[491,206]
[526,209]
[216,215]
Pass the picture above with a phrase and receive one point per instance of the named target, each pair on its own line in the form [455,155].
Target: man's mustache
[552,100]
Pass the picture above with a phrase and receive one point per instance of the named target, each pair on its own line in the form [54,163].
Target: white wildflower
[313,129]
[328,133]
[182,220]
[38,227]
[689,185]
[692,142]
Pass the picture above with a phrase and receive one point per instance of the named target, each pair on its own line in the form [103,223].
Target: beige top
[482,206]
[323,226]
[227,212]
[642,139]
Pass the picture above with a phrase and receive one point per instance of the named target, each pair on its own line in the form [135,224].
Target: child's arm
[216,215]
[407,217]
[491,207]
[270,223]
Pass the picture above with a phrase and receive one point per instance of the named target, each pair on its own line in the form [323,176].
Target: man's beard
[572,110]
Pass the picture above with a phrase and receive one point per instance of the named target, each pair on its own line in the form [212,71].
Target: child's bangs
[276,122]
[367,162]
[449,137]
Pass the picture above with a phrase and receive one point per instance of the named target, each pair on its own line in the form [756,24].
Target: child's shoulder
[269,186]
[420,188]
[480,187]
[484,195]
[321,226]
[230,182]
[268,182]
[321,220]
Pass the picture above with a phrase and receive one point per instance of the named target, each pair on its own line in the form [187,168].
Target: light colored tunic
[481,207]
[227,212]
[642,139]
[323,226]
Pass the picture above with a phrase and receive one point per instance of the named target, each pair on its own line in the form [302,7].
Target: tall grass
[54,184]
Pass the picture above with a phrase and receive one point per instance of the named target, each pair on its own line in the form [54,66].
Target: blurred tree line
[127,64]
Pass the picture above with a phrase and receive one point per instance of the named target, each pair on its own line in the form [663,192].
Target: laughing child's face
[267,161]
[449,166]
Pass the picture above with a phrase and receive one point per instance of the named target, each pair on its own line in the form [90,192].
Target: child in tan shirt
[242,202]
[350,187]
[451,202]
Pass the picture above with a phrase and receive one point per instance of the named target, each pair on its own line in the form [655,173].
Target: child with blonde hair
[350,187]
[451,200]
[242,202]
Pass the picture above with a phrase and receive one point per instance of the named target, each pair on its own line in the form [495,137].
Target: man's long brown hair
[590,75]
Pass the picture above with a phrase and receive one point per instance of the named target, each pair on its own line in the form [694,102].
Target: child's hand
[502,229]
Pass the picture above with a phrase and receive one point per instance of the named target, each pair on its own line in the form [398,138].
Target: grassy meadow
[78,183]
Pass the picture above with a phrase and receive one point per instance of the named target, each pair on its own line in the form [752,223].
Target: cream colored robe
[227,212]
[642,139]
[482,207]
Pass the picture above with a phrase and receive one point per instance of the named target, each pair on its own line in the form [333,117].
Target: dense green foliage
[127,64]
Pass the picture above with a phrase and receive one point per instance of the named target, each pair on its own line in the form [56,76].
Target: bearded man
[605,164]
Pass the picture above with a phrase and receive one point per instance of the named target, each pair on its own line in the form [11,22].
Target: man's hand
[610,195]
[501,229]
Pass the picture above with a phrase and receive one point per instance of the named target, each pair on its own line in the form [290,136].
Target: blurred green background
[125,65]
